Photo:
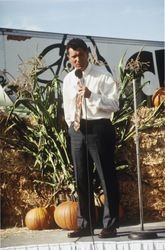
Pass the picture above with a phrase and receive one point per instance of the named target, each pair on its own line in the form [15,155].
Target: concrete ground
[24,237]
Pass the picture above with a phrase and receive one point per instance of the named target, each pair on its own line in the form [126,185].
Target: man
[92,140]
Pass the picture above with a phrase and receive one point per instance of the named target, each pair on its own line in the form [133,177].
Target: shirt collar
[87,70]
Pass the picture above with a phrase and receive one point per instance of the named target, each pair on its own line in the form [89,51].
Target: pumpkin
[158,97]
[121,210]
[65,215]
[37,219]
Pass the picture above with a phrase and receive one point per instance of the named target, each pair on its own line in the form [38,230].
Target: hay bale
[18,190]
[152,165]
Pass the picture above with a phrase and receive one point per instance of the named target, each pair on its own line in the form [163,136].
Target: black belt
[84,122]
[94,121]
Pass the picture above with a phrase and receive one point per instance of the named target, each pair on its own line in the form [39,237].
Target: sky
[130,19]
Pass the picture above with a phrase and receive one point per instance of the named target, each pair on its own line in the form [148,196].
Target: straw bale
[18,191]
[152,168]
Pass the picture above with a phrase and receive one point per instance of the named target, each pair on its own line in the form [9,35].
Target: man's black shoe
[108,233]
[80,233]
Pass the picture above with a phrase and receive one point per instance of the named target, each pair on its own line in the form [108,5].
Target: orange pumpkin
[65,215]
[37,218]
[158,97]
[101,198]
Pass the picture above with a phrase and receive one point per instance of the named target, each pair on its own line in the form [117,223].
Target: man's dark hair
[76,43]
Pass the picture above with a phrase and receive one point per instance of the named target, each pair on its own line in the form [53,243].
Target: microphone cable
[78,73]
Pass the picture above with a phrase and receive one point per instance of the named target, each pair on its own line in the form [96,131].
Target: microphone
[78,73]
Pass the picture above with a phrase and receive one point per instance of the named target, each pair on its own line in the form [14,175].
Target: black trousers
[95,141]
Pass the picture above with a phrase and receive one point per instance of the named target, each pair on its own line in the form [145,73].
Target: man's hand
[83,91]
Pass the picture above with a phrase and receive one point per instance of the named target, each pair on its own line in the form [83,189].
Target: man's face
[78,58]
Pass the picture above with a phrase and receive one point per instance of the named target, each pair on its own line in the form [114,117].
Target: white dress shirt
[104,94]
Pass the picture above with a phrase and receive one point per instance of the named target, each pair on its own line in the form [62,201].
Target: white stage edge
[24,239]
[97,245]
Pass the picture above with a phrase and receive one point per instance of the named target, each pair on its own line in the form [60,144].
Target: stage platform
[56,239]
